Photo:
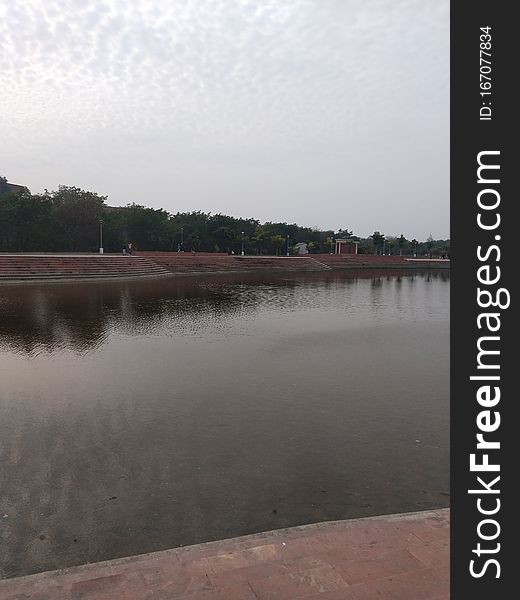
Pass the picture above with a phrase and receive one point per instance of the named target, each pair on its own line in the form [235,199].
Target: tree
[24,221]
[224,237]
[329,244]
[277,241]
[429,244]
[401,243]
[260,238]
[196,232]
[147,228]
[68,219]
[379,240]
[75,219]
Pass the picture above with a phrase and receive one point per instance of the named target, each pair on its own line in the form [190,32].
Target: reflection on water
[146,415]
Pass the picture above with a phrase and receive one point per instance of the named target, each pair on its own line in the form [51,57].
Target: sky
[327,113]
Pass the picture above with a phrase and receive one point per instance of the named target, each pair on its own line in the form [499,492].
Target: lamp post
[242,252]
[331,242]
[101,236]
[287,244]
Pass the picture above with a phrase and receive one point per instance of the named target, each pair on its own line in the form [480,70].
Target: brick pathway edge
[395,557]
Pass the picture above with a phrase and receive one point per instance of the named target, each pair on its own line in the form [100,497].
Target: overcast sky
[328,113]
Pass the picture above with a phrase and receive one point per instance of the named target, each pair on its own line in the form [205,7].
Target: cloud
[334,86]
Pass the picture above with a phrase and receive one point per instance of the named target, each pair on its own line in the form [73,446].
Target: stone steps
[35,267]
[280,264]
[349,261]
[201,263]
[146,264]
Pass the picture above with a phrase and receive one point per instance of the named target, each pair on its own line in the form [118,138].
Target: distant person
[193,251]
[178,247]
[129,248]
[124,250]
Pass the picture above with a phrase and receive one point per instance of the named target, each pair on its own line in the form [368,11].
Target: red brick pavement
[393,557]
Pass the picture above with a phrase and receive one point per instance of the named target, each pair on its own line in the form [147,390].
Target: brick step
[78,272]
[97,257]
[69,269]
[80,266]
[36,276]
[31,268]
[83,267]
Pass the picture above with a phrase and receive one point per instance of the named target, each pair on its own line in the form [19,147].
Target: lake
[143,415]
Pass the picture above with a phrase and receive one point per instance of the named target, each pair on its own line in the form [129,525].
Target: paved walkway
[396,557]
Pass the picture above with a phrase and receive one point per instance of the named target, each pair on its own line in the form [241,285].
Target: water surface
[138,416]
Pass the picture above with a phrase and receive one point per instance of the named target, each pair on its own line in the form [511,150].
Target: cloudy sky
[328,113]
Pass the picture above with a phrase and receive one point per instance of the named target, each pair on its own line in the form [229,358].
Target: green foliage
[69,218]
[344,233]
[328,245]
[378,241]
[75,217]
[402,243]
[277,241]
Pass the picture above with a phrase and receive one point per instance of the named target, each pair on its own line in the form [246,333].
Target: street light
[101,236]
[287,244]
[242,253]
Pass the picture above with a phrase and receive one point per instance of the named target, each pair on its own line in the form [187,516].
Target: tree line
[70,219]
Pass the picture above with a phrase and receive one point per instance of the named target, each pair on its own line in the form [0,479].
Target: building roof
[11,187]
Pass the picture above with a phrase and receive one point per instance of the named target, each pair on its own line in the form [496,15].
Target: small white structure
[301,248]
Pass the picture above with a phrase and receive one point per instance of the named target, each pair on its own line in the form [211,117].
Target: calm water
[147,415]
